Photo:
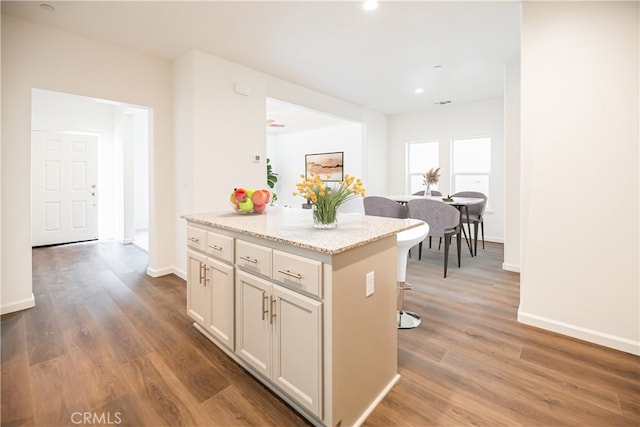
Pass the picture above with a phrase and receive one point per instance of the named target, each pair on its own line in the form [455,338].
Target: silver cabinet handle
[193,239]
[288,273]
[202,274]
[251,260]
[273,310]
[265,310]
[216,248]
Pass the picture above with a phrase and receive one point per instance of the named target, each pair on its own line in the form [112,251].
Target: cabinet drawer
[196,238]
[220,246]
[298,272]
[253,258]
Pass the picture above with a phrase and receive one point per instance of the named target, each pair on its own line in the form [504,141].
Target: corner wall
[36,56]
[580,171]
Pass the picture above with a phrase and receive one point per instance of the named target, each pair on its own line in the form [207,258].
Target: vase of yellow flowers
[327,199]
[430,178]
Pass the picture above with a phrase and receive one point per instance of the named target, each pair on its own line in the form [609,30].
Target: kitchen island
[309,312]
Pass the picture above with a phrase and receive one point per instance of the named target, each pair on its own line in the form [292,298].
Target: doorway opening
[115,179]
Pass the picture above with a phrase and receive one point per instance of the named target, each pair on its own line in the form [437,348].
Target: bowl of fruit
[248,200]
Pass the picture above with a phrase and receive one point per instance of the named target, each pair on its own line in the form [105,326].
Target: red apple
[259,198]
[241,195]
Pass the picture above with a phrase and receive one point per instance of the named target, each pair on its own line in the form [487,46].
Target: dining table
[461,203]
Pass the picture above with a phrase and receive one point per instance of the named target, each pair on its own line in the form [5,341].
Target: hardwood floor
[107,345]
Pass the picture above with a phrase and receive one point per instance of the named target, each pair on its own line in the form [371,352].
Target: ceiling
[455,51]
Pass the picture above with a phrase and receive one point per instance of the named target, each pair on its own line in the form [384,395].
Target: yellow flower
[326,198]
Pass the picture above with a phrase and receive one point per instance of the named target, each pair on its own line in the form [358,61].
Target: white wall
[288,151]
[35,56]
[580,170]
[512,154]
[217,131]
[482,118]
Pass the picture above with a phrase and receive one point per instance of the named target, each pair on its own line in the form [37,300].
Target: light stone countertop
[294,227]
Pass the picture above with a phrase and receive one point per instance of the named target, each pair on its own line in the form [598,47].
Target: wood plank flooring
[106,345]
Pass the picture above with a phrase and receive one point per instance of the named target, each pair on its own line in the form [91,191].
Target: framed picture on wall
[330,166]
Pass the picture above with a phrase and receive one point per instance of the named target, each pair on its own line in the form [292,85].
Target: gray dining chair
[383,206]
[443,220]
[474,215]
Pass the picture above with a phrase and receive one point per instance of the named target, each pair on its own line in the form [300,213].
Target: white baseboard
[511,267]
[180,273]
[489,239]
[157,272]
[18,305]
[376,401]
[589,335]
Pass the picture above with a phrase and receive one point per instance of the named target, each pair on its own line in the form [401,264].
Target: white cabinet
[279,334]
[198,306]
[221,322]
[210,285]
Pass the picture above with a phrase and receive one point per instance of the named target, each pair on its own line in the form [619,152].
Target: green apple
[246,206]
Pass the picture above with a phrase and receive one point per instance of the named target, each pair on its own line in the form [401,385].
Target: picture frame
[330,166]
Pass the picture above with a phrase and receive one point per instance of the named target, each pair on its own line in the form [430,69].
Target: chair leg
[475,238]
[459,238]
[446,253]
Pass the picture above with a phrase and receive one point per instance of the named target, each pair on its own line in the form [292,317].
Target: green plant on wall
[272,177]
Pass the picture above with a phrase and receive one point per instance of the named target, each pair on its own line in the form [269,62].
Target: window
[421,156]
[471,165]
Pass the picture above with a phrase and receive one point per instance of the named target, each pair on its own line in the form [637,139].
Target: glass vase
[325,218]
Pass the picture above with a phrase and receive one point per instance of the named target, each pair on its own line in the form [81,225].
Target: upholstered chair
[443,220]
[475,215]
[383,206]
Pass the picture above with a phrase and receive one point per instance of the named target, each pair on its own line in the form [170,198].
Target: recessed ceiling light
[47,7]
[418,90]
[370,5]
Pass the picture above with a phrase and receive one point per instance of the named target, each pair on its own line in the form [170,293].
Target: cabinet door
[198,294]
[220,282]
[297,347]
[253,322]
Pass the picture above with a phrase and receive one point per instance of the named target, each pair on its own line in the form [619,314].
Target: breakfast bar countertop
[294,227]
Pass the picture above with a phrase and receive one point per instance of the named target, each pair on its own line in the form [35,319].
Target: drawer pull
[265,300]
[194,239]
[251,260]
[216,248]
[288,273]
[273,310]
[203,274]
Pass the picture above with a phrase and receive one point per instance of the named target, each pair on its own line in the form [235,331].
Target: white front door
[64,187]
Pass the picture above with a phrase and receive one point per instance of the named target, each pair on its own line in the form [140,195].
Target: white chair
[406,240]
